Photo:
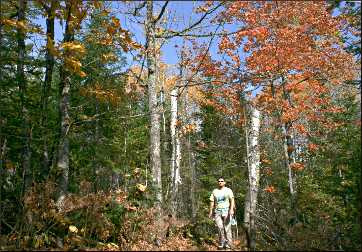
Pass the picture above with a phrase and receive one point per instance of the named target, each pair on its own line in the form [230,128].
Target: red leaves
[268,171]
[297,166]
[270,189]
[312,147]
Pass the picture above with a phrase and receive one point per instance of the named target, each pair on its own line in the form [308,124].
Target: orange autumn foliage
[270,189]
[294,58]
[297,166]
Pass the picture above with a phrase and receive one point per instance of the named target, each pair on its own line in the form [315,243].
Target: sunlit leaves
[73,48]
[141,187]
[73,229]
[270,189]
[102,94]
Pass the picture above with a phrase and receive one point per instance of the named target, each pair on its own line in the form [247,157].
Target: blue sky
[181,13]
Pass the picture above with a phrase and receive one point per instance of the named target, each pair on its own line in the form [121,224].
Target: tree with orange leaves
[295,58]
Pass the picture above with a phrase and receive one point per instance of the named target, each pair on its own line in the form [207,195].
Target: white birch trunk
[253,160]
[289,158]
[176,150]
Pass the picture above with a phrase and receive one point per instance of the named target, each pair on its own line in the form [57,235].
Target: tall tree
[49,67]
[176,150]
[155,143]
[74,14]
[22,83]
[253,162]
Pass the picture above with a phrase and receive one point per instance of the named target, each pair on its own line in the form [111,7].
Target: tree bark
[289,154]
[46,86]
[253,161]
[64,106]
[153,107]
[22,83]
[96,142]
[193,179]
[176,151]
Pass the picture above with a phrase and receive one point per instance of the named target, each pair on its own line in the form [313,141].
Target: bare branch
[182,33]
[138,8]
[161,13]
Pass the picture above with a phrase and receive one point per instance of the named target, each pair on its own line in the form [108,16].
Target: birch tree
[176,150]
[253,162]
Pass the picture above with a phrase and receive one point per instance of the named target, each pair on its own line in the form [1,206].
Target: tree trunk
[26,152]
[289,156]
[96,142]
[193,179]
[2,142]
[153,108]
[2,172]
[46,86]
[176,151]
[253,160]
[64,106]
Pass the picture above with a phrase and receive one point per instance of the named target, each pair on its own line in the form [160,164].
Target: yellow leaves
[73,229]
[9,165]
[189,128]
[169,83]
[141,187]
[107,40]
[97,4]
[111,247]
[134,45]
[73,47]
[108,57]
[137,172]
[72,51]
[111,29]
[74,66]
[116,23]
[21,25]
[135,81]
[102,94]
[14,24]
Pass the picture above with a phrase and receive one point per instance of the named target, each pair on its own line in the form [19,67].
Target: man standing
[222,200]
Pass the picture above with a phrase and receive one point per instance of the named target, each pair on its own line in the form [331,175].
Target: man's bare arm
[232,206]
[211,208]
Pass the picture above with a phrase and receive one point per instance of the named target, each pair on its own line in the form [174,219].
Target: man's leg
[220,227]
[227,224]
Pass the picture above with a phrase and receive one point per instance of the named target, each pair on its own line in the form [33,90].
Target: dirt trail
[179,243]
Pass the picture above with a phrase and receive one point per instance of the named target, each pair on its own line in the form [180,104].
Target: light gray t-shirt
[222,197]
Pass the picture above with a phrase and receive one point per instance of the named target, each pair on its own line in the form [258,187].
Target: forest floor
[180,242]
[185,244]
[85,223]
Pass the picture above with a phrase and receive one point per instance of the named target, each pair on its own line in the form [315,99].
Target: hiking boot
[221,245]
[227,245]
